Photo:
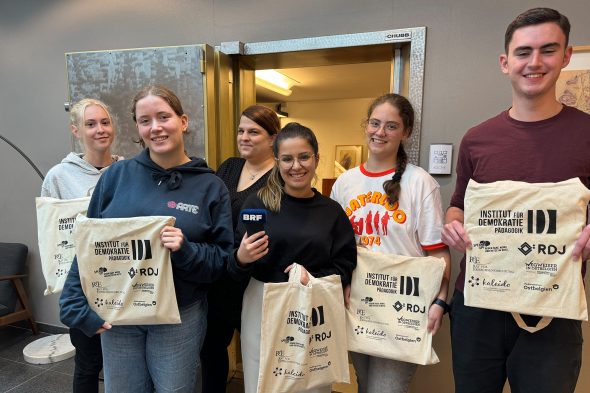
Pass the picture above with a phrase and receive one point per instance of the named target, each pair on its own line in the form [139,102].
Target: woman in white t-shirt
[394,208]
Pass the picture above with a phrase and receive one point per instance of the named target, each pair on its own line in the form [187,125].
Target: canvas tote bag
[55,224]
[125,272]
[389,301]
[523,235]
[303,335]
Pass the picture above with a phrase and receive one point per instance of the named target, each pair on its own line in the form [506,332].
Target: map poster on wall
[573,85]
[573,89]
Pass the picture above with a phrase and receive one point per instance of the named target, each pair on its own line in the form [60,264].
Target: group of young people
[219,269]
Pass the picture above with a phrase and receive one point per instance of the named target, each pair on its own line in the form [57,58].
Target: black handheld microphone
[253,220]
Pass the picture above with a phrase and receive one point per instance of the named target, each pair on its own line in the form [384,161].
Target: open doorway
[331,100]
[333,80]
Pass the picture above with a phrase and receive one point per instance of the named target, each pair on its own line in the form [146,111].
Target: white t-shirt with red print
[409,227]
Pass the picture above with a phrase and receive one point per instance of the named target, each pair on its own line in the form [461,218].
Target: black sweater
[229,171]
[314,232]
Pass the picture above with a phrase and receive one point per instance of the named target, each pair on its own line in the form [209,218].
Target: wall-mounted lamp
[274,81]
[280,112]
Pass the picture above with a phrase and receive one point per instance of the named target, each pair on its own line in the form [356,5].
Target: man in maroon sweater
[536,140]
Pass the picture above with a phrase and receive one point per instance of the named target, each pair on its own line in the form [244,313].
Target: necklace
[252,175]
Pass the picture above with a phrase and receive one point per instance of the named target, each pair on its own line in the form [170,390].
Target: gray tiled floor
[18,376]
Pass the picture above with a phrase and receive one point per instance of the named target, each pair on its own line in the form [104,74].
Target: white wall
[334,122]
[463,84]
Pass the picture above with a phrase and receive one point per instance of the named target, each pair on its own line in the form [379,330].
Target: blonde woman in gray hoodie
[75,177]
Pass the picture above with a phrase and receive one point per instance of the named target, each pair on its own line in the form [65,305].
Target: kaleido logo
[99,302]
[361,330]
[489,283]
[277,371]
[61,272]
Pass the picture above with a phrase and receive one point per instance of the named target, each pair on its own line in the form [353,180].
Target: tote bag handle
[543,323]
[295,276]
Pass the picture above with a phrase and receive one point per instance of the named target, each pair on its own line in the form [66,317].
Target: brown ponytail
[392,187]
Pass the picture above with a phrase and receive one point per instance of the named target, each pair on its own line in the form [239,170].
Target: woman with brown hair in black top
[243,176]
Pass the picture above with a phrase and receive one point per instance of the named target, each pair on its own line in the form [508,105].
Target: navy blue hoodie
[190,192]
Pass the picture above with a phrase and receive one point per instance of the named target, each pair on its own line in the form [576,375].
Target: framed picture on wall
[347,157]
[573,85]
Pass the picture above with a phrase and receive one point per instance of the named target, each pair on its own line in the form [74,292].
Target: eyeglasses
[288,162]
[375,125]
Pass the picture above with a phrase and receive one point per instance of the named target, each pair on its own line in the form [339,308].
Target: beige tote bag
[125,272]
[55,224]
[523,235]
[303,335]
[389,301]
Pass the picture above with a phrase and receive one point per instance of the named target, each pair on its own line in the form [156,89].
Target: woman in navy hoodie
[141,358]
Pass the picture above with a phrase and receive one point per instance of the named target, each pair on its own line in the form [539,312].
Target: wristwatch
[442,303]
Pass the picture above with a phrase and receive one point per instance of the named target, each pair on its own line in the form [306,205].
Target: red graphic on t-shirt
[374,224]
[384,222]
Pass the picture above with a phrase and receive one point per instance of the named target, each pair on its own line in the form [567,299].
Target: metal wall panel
[115,77]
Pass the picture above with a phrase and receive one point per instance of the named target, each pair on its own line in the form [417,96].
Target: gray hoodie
[72,178]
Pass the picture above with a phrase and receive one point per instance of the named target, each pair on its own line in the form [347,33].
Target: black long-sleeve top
[314,232]
[230,171]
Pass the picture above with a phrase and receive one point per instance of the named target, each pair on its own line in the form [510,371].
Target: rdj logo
[409,286]
[318,337]
[141,249]
[413,308]
[143,272]
[542,221]
[546,249]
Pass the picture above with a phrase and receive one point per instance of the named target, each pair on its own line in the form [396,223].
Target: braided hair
[392,187]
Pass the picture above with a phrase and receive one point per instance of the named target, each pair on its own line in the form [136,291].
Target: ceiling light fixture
[274,81]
